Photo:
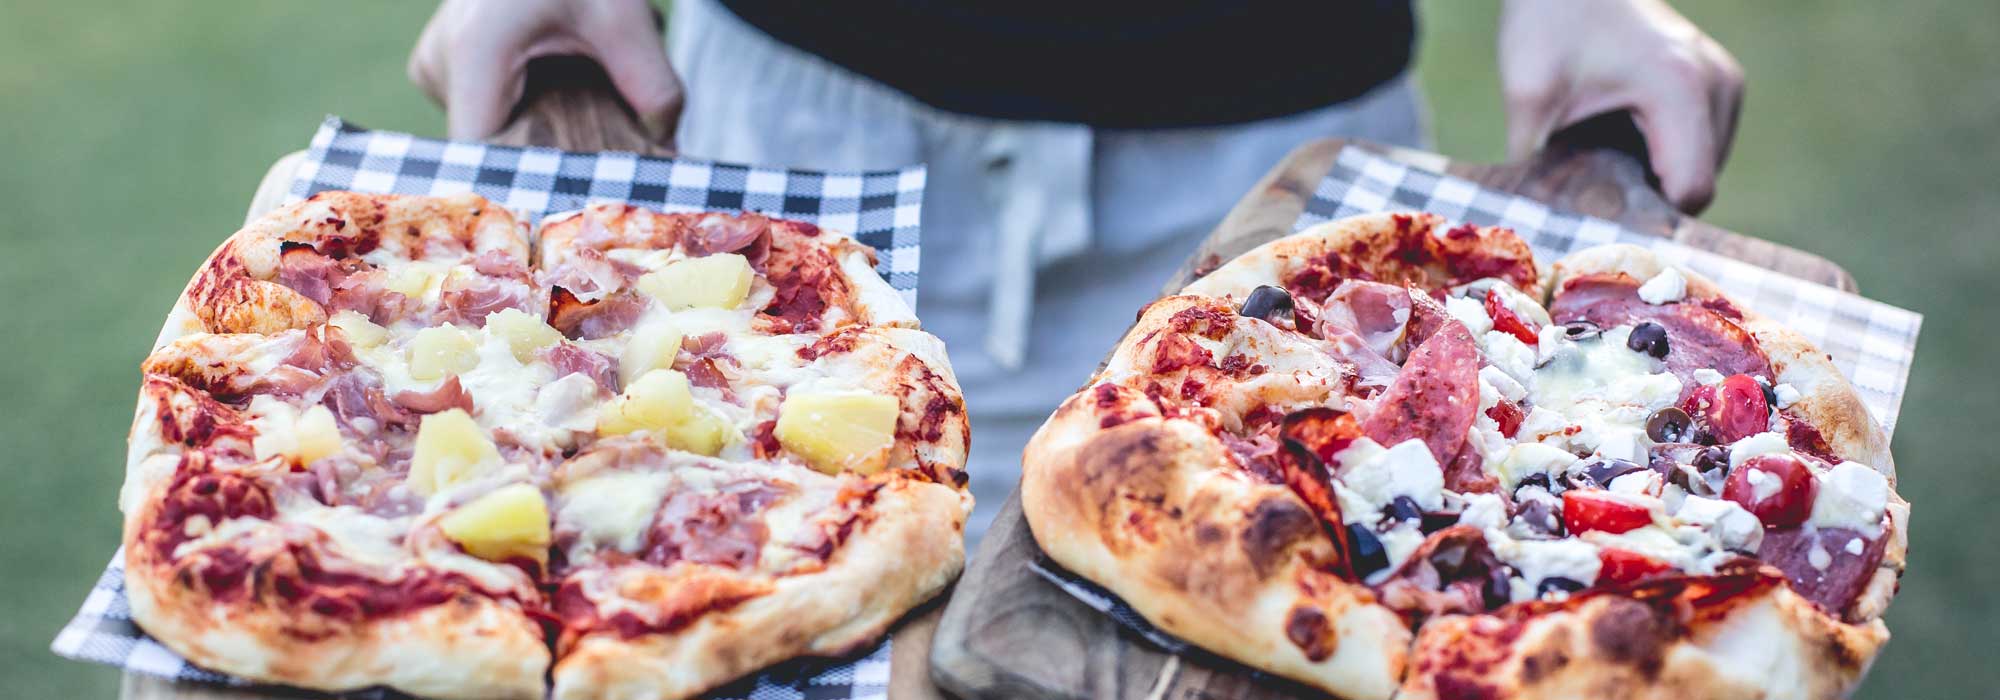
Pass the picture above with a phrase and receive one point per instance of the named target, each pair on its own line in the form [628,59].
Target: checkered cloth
[880,209]
[1872,342]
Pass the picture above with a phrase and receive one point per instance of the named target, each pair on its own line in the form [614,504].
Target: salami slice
[1699,334]
[1820,563]
[1435,399]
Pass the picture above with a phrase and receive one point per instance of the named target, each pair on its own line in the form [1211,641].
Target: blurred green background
[132,134]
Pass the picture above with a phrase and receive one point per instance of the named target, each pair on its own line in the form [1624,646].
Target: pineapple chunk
[717,281]
[317,435]
[511,521]
[451,449]
[839,431]
[413,281]
[658,399]
[357,329]
[702,433]
[524,333]
[653,346]
[441,350]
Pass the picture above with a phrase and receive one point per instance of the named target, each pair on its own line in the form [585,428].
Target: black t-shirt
[1110,64]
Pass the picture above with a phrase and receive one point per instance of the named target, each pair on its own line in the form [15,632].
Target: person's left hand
[1563,61]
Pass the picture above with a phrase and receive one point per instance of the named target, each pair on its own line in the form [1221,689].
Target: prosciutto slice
[448,395]
[748,235]
[590,320]
[569,358]
[340,285]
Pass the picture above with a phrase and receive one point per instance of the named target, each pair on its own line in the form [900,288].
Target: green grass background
[132,134]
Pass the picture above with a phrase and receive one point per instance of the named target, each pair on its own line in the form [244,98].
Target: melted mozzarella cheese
[1757,446]
[1605,391]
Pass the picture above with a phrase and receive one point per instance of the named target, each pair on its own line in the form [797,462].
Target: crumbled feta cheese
[1539,560]
[1640,483]
[1512,356]
[1819,558]
[1732,526]
[1483,511]
[1527,458]
[1787,395]
[1398,543]
[1470,312]
[1549,342]
[1854,546]
[1503,384]
[1379,476]
[1756,446]
[1707,377]
[1666,287]
[1540,423]
[1624,443]
[1851,495]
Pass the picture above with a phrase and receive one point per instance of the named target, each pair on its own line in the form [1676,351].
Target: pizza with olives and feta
[408,442]
[1386,456]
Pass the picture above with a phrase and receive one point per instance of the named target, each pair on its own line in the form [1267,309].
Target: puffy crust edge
[1217,560]
[1774,646]
[472,646]
[1273,261]
[910,552]
[1826,399]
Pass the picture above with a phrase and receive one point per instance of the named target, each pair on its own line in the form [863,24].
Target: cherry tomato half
[1619,566]
[1590,509]
[1789,491]
[1730,411]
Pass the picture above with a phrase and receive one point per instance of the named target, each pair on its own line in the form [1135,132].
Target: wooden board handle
[570,103]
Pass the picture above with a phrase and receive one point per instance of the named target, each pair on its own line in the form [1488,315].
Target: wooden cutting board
[569,105]
[1007,633]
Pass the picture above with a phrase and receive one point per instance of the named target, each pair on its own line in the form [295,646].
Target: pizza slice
[1614,494]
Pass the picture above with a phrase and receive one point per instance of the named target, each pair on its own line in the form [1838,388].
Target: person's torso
[1106,64]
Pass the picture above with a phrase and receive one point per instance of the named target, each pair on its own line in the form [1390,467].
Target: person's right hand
[473,56]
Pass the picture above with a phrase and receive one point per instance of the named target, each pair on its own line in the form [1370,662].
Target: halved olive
[1670,424]
[1649,338]
[1580,329]
[1264,301]
[1368,555]
[1403,508]
[1558,583]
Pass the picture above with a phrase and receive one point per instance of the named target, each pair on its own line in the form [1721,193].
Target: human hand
[473,56]
[1563,61]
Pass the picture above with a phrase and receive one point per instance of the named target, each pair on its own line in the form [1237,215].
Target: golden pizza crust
[910,547]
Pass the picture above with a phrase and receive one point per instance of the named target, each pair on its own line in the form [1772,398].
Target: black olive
[1403,508]
[1497,592]
[1712,459]
[1770,396]
[1434,522]
[1558,583]
[1368,556]
[1451,560]
[1535,479]
[1580,329]
[1604,470]
[1265,300]
[1668,424]
[1539,516]
[1649,338]
[1576,479]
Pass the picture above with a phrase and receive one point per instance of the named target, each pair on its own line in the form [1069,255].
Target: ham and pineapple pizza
[397,441]
[1387,457]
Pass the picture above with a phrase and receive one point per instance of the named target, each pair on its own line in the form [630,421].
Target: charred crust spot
[1631,632]
[1208,534]
[1543,663]
[1271,528]
[1311,632]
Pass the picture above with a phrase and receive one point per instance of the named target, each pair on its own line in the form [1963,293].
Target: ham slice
[340,284]
[570,358]
[748,235]
[469,299]
[448,395]
[590,320]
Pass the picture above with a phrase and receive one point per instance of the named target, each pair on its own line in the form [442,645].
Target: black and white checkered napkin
[881,209]
[1872,342]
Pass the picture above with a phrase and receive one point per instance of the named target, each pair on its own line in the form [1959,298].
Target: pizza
[410,442]
[1386,456]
